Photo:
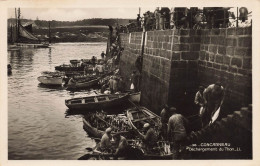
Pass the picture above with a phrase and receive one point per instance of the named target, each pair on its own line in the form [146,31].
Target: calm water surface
[38,127]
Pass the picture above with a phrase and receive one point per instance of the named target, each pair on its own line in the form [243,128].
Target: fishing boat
[135,97]
[138,116]
[65,68]
[84,82]
[133,151]
[95,124]
[50,80]
[96,102]
[22,35]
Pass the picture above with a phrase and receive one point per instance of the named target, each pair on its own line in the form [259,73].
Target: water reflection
[37,128]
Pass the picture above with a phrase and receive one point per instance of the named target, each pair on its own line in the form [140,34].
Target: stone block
[197,39]
[242,71]
[202,55]
[211,57]
[215,31]
[223,32]
[206,40]
[198,32]
[231,41]
[195,47]
[184,47]
[192,32]
[247,63]
[179,64]
[219,58]
[221,50]
[216,66]
[185,39]
[176,47]
[239,31]
[240,51]
[214,40]
[230,51]
[248,31]
[176,39]
[236,62]
[207,56]
[213,48]
[192,65]
[177,32]
[209,64]
[245,41]
[224,67]
[184,32]
[176,55]
[231,31]
[190,55]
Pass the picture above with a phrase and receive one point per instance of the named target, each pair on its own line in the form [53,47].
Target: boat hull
[80,85]
[92,131]
[96,105]
[69,68]
[50,80]
[135,97]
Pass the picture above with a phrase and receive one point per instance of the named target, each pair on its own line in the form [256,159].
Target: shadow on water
[52,87]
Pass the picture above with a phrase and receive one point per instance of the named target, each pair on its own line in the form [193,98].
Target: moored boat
[69,68]
[96,102]
[138,116]
[133,151]
[135,97]
[50,80]
[95,124]
[84,82]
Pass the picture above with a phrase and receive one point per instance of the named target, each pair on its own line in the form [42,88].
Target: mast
[49,32]
[16,26]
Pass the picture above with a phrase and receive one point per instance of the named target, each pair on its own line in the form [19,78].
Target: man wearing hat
[213,97]
[176,131]
[121,145]
[105,143]
[165,115]
[150,138]
[199,100]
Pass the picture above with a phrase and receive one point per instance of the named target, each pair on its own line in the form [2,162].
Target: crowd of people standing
[187,18]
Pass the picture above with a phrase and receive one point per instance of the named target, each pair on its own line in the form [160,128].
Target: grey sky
[73,14]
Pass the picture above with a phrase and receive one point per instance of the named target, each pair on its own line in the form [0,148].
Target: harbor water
[38,126]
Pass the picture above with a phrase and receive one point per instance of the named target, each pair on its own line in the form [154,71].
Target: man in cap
[102,55]
[105,143]
[150,138]
[121,145]
[165,115]
[176,131]
[199,100]
[213,97]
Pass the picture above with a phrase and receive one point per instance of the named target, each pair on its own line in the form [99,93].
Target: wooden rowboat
[96,102]
[135,97]
[69,68]
[83,83]
[138,116]
[132,152]
[50,80]
[95,125]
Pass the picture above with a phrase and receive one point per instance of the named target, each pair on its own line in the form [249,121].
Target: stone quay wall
[176,62]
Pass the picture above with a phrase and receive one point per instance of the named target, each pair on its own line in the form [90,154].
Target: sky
[73,14]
